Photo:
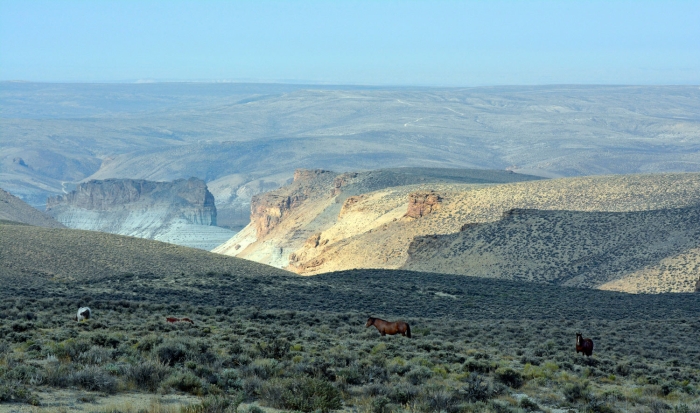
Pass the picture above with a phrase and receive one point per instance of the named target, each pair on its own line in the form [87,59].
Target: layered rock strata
[181,212]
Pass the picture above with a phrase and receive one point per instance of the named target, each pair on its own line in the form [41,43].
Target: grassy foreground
[299,344]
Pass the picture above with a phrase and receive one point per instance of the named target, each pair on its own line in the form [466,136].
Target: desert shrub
[172,352]
[57,374]
[499,407]
[71,349]
[381,404]
[476,389]
[252,386]
[598,406]
[14,392]
[350,375]
[305,394]
[509,377]
[149,342]
[263,368]
[24,373]
[574,392]
[402,393]
[184,381]
[96,355]
[94,378]
[398,366]
[441,399]
[215,404]
[229,380]
[479,366]
[276,349]
[529,405]
[419,375]
[147,374]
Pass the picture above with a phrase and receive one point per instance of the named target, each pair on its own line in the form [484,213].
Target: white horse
[83,314]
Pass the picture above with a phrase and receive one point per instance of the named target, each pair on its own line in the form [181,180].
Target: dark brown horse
[584,345]
[389,327]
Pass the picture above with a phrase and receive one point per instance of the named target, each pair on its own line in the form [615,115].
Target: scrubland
[299,344]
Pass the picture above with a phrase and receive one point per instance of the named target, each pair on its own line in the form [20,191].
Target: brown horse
[584,345]
[175,320]
[390,327]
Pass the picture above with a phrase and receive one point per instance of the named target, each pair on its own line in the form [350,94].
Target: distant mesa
[180,212]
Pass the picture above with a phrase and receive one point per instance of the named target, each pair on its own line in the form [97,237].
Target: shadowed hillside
[14,209]
[28,251]
[642,251]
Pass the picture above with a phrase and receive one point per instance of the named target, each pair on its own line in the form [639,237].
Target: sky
[391,43]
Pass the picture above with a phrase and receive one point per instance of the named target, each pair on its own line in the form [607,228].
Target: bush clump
[305,394]
[147,374]
[509,377]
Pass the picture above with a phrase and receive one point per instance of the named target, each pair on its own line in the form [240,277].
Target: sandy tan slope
[375,229]
[14,209]
[57,253]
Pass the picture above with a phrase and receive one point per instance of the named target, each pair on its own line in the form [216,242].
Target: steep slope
[180,212]
[14,209]
[285,220]
[375,229]
[641,251]
[69,254]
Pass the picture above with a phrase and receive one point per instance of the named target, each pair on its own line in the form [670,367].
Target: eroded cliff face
[422,203]
[181,212]
[269,209]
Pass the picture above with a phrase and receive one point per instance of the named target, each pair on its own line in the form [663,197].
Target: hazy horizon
[385,43]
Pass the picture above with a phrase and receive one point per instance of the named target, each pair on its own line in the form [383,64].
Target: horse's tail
[408,330]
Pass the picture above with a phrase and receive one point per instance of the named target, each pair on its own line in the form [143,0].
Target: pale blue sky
[448,43]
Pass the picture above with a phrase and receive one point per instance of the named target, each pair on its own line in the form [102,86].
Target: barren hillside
[68,254]
[14,209]
[282,221]
[375,229]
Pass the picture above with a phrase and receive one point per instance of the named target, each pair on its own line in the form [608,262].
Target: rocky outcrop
[697,286]
[267,210]
[350,203]
[182,211]
[343,180]
[422,203]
